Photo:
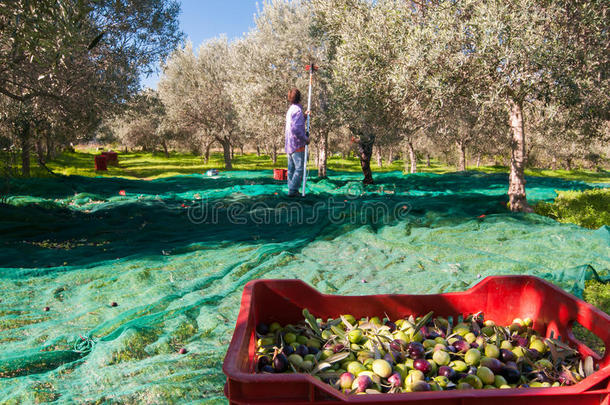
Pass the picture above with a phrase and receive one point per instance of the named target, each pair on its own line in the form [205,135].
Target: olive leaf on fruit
[424,320]
[348,325]
[338,332]
[311,321]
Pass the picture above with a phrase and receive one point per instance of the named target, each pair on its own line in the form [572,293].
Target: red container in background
[501,298]
[111,157]
[280,174]
[101,162]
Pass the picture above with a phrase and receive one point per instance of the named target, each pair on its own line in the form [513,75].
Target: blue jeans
[295,171]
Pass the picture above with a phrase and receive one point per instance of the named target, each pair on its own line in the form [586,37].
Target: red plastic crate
[501,298]
[101,162]
[280,174]
[111,157]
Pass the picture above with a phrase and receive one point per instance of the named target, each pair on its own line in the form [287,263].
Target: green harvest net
[175,253]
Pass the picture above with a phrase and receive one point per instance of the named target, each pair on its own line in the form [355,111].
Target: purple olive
[446,371]
[526,368]
[395,380]
[268,369]
[398,345]
[338,348]
[452,349]
[422,365]
[461,346]
[362,383]
[302,350]
[391,325]
[416,350]
[390,358]
[474,345]
[288,350]
[512,364]
[539,376]
[262,328]
[533,354]
[493,364]
[507,355]
[519,341]
[433,335]
[511,374]
[313,350]
[263,361]
[280,363]
[472,370]
[420,386]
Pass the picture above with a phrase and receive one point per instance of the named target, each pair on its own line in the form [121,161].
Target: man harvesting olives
[296,139]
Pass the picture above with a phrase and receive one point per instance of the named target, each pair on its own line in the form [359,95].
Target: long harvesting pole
[311,69]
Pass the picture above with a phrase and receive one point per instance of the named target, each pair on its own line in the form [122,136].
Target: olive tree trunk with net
[516,185]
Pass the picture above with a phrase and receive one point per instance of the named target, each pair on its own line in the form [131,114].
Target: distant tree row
[511,81]
[519,82]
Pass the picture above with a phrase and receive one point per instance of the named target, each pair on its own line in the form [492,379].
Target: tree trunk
[379,159]
[165,150]
[427,160]
[365,151]
[274,154]
[412,157]
[569,163]
[391,156]
[226,148]
[516,183]
[232,149]
[50,148]
[478,160]
[258,151]
[323,156]
[206,152]
[241,149]
[462,156]
[554,163]
[40,151]
[25,149]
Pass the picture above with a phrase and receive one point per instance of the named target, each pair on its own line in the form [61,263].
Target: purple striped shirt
[295,129]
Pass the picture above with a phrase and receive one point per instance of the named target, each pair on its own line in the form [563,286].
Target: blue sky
[204,19]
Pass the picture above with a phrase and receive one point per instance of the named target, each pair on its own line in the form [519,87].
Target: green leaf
[423,321]
[311,321]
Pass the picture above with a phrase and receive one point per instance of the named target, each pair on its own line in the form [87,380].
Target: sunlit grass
[146,165]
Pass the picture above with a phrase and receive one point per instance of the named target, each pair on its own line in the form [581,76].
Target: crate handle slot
[593,320]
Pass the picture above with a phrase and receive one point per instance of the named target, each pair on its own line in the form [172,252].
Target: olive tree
[64,64]
[521,53]
[270,60]
[194,90]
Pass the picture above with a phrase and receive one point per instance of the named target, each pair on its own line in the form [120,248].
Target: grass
[589,209]
[142,165]
[588,176]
